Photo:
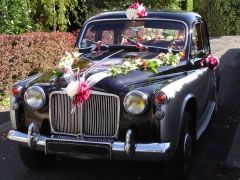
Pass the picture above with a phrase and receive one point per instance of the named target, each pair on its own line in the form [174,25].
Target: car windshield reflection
[158,33]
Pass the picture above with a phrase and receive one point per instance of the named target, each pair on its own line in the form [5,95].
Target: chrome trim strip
[125,19]
[81,116]
[13,114]
[207,120]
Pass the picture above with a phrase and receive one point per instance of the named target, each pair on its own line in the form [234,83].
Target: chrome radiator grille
[97,117]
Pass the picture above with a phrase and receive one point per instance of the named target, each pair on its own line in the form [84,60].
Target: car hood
[99,62]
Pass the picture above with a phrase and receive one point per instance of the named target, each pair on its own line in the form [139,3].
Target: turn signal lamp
[161,98]
[16,91]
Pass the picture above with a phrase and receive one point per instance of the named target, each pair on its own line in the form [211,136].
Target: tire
[35,159]
[178,166]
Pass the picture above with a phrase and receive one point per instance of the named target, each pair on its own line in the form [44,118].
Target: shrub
[22,55]
[222,16]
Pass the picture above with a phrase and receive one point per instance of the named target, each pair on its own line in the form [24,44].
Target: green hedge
[222,16]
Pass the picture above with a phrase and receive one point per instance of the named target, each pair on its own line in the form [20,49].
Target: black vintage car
[148,108]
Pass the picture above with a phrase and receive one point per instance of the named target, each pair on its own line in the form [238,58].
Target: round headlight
[135,102]
[35,97]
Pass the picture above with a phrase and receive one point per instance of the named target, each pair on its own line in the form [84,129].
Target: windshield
[152,33]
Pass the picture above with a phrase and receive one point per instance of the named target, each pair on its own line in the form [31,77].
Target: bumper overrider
[87,149]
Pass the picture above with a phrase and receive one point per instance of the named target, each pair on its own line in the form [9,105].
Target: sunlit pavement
[215,156]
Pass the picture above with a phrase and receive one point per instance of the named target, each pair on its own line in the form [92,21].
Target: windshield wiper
[98,44]
[137,44]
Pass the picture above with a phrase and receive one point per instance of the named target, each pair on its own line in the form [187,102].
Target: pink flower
[212,62]
[83,93]
[134,6]
[141,11]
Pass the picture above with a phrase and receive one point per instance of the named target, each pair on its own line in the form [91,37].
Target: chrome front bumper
[127,150]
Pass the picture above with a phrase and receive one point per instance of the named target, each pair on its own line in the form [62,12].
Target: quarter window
[197,45]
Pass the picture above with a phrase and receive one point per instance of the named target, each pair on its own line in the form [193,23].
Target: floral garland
[147,65]
[78,88]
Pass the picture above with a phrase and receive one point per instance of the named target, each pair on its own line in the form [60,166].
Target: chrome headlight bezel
[39,90]
[141,95]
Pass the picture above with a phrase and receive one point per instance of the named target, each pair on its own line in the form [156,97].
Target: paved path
[230,45]
[210,155]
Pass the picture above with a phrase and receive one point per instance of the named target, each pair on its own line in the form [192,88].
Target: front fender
[179,93]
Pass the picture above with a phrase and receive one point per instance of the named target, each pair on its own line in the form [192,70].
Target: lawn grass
[4,103]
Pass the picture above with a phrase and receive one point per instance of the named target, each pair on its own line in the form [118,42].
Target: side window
[205,39]
[197,40]
[108,37]
[90,38]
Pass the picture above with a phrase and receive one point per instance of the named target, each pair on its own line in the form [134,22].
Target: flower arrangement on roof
[135,11]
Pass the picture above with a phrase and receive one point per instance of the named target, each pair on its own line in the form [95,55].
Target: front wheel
[179,165]
[34,159]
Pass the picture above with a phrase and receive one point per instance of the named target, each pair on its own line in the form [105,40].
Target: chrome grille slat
[97,117]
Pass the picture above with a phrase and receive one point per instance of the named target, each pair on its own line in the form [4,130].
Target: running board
[206,119]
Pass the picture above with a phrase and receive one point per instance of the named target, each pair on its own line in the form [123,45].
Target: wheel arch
[189,105]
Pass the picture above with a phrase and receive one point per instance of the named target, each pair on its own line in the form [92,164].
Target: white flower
[132,13]
[72,88]
[76,54]
[126,63]
[66,63]
[169,50]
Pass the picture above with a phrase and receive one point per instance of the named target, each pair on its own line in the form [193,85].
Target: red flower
[83,93]
[134,6]
[212,62]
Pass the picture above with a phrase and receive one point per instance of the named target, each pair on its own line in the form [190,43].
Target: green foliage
[151,65]
[4,102]
[55,14]
[14,16]
[96,6]
[222,16]
[189,5]
[58,15]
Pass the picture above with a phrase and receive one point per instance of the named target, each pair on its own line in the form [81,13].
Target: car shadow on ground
[209,160]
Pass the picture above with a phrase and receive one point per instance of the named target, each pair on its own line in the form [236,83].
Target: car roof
[187,17]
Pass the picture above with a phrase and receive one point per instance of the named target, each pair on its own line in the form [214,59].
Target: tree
[222,16]
[14,16]
[96,6]
[54,14]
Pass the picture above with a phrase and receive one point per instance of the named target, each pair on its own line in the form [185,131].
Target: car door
[200,49]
